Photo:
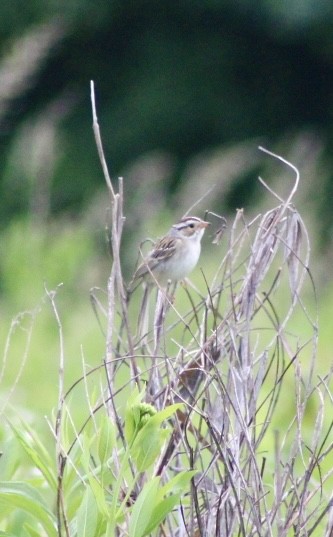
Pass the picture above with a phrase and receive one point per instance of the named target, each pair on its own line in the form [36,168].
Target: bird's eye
[191,226]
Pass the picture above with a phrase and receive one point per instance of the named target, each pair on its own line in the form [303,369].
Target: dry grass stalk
[231,359]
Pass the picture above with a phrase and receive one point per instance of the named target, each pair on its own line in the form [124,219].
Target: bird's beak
[204,224]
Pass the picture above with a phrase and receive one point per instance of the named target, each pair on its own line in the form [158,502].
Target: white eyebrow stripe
[186,221]
[189,218]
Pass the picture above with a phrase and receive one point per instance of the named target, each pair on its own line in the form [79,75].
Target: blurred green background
[186,91]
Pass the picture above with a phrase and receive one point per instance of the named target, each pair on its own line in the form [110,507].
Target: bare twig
[61,455]
[228,354]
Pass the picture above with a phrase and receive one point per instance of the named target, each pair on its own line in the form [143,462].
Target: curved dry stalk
[61,455]
[228,354]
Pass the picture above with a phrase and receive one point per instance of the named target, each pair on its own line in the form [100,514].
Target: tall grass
[196,417]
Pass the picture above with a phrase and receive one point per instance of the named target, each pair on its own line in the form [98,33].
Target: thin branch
[61,457]
[99,141]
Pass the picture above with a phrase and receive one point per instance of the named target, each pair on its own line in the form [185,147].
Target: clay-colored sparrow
[175,255]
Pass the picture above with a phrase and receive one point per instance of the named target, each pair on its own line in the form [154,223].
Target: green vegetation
[91,494]
[218,419]
[219,400]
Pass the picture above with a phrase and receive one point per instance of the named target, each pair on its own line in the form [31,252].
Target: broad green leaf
[107,439]
[143,509]
[85,457]
[150,439]
[178,484]
[23,496]
[32,532]
[22,488]
[164,505]
[132,414]
[23,531]
[91,477]
[36,451]
[99,495]
[164,414]
[148,444]
[87,515]
[160,512]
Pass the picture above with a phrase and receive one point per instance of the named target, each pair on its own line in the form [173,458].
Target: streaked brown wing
[163,249]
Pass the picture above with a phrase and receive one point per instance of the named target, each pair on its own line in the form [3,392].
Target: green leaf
[99,495]
[132,414]
[36,452]
[87,515]
[160,512]
[32,532]
[22,488]
[179,483]
[164,505]
[70,476]
[23,496]
[96,487]
[147,445]
[150,439]
[143,509]
[10,458]
[164,414]
[107,439]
